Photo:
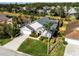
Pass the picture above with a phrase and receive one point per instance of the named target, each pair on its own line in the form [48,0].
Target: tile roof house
[5,18]
[72,33]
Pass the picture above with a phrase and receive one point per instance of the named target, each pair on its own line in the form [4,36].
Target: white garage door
[25,30]
[72,41]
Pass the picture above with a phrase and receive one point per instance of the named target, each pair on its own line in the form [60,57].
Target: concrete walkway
[71,50]
[16,42]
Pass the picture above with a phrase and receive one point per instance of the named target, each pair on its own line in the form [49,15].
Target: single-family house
[24,8]
[53,7]
[72,12]
[40,11]
[5,18]
[72,33]
[48,12]
[39,26]
[46,7]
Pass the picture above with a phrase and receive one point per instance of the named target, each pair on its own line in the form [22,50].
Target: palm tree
[48,25]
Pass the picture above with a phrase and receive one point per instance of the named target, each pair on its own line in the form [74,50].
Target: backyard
[33,47]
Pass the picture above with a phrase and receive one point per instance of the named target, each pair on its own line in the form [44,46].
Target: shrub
[33,34]
[65,42]
[33,47]
[42,38]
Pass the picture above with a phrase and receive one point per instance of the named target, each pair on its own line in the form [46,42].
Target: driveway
[7,52]
[71,50]
[16,42]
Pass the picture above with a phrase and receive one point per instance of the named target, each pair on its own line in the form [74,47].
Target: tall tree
[9,30]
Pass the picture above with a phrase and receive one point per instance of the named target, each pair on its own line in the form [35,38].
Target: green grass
[44,39]
[33,47]
[4,41]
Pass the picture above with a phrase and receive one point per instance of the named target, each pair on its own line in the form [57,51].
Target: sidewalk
[71,50]
[16,42]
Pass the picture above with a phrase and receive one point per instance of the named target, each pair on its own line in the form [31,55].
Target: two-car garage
[25,30]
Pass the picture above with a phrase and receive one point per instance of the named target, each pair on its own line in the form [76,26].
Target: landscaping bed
[33,47]
[33,34]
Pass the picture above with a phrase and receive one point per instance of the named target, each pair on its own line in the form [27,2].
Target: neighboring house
[58,6]
[48,12]
[5,18]
[28,8]
[46,7]
[72,33]
[38,26]
[72,12]
[24,8]
[40,11]
[53,7]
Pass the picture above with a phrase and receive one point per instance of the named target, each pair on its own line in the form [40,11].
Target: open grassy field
[33,47]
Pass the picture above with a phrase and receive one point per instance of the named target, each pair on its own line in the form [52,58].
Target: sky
[13,2]
[27,1]
[32,1]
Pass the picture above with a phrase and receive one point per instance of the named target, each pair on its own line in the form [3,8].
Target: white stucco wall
[72,41]
[46,34]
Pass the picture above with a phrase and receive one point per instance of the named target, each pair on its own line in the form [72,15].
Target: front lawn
[4,41]
[33,47]
[44,39]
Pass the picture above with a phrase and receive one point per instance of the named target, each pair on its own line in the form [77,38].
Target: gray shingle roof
[45,20]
